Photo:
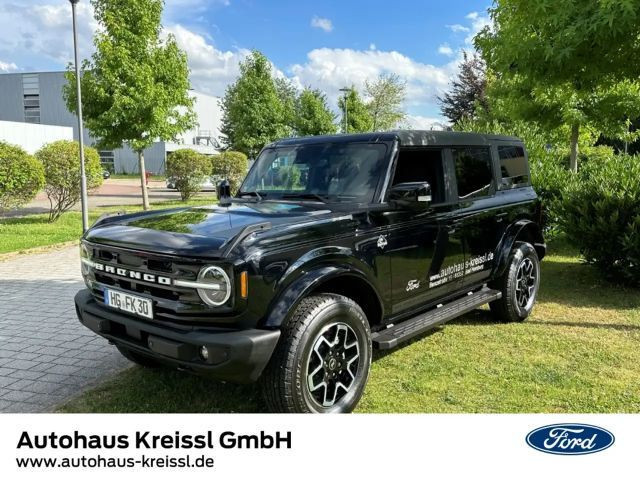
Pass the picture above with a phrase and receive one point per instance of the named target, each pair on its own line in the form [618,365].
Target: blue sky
[323,44]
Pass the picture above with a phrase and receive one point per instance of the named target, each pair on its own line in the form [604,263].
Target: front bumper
[237,356]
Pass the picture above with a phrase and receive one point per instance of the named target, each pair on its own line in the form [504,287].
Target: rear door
[478,210]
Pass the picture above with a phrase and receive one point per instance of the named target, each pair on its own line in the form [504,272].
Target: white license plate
[128,303]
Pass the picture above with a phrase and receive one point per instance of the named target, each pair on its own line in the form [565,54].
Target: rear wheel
[519,284]
[136,358]
[323,359]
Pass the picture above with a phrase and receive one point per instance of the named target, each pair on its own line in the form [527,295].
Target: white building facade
[35,101]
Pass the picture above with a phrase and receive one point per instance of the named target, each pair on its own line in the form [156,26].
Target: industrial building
[35,100]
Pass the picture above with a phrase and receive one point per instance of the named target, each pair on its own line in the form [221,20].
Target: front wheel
[519,285]
[323,359]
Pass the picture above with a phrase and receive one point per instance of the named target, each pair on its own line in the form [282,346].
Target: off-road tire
[508,308]
[138,359]
[285,382]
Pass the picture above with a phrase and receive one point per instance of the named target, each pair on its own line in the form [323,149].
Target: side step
[408,329]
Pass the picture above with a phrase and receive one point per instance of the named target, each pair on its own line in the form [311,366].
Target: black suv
[333,246]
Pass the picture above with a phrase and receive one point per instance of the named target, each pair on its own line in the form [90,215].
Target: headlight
[218,286]
[84,258]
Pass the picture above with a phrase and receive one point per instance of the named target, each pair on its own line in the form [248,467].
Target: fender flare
[290,297]
[515,231]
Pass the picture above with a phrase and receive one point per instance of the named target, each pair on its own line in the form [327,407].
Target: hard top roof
[407,138]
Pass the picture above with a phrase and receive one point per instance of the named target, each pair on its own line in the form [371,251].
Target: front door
[425,248]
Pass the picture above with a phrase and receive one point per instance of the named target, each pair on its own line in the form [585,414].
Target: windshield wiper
[313,196]
[253,193]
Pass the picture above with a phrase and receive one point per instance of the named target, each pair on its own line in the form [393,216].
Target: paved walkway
[46,355]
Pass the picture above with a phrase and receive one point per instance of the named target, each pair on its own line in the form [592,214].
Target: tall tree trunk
[573,159]
[143,181]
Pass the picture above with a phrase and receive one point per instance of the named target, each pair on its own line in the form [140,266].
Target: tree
[136,86]
[577,59]
[61,162]
[188,169]
[386,98]
[288,95]
[232,166]
[358,117]
[21,176]
[313,115]
[253,111]
[467,91]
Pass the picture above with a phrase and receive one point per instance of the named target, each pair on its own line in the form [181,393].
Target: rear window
[473,171]
[513,166]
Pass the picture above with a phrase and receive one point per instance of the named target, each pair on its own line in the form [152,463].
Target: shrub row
[56,167]
[189,169]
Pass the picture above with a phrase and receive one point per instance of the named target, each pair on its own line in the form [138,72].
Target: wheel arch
[339,279]
[520,231]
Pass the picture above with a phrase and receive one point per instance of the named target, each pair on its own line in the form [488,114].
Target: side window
[513,166]
[473,171]
[422,165]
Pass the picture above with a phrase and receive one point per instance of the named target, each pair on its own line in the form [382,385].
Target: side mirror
[411,195]
[223,192]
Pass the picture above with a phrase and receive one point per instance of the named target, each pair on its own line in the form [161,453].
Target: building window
[107,159]
[31,97]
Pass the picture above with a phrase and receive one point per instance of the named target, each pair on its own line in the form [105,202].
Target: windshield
[318,172]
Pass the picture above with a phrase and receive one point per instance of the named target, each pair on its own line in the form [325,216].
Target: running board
[408,329]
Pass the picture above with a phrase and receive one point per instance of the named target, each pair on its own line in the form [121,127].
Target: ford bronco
[331,247]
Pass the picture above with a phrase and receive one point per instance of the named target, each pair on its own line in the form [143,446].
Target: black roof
[407,138]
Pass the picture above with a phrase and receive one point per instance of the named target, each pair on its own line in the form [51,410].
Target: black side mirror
[223,192]
[411,195]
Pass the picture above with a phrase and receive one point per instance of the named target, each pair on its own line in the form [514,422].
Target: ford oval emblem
[570,439]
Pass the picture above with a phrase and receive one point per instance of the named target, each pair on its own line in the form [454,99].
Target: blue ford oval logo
[570,439]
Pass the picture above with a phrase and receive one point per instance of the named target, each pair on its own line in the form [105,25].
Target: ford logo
[570,439]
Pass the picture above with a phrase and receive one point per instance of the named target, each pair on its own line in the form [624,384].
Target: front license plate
[126,302]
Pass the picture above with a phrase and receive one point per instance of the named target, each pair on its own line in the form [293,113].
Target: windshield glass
[318,172]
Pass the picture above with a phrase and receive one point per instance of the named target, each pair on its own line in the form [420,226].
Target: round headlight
[84,256]
[218,289]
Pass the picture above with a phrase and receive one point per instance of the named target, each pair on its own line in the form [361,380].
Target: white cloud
[445,49]
[45,29]
[322,23]
[419,122]
[6,67]
[331,69]
[478,22]
[211,69]
[458,28]
[372,46]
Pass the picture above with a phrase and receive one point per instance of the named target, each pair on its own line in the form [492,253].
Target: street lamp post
[346,124]
[83,176]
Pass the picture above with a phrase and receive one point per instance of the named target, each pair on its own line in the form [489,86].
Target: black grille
[170,303]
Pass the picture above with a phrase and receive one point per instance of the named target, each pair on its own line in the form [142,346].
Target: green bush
[600,212]
[61,163]
[232,166]
[549,177]
[21,176]
[189,169]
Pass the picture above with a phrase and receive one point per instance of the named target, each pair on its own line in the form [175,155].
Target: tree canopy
[386,97]
[135,87]
[313,115]
[358,115]
[560,62]
[467,93]
[253,110]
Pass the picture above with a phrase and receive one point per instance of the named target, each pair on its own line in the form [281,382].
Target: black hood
[196,231]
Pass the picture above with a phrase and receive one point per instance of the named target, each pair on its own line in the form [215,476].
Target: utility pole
[83,176]
[344,110]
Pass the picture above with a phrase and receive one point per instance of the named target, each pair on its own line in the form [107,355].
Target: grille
[171,303]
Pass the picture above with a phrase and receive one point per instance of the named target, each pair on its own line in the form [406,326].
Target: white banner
[319,447]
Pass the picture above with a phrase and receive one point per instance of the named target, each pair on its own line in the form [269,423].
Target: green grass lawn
[21,233]
[578,352]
